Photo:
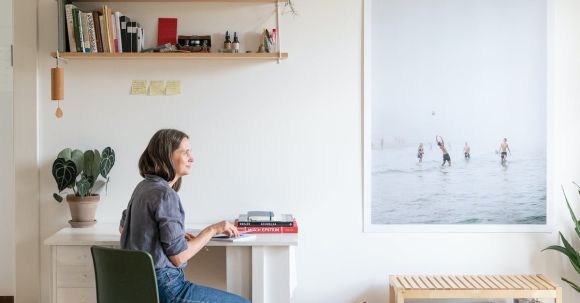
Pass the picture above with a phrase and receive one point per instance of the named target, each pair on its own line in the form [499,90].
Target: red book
[269,229]
[167,31]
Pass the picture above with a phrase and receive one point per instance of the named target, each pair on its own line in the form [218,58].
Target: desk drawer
[74,256]
[75,276]
[76,295]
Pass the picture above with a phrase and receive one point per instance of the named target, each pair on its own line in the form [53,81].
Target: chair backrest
[124,276]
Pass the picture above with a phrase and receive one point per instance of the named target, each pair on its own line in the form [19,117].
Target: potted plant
[79,172]
[568,249]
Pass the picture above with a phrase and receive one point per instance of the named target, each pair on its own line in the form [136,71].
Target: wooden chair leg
[391,294]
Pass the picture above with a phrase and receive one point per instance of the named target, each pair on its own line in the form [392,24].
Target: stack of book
[101,31]
[265,222]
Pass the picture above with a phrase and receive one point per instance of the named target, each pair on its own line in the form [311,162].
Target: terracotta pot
[82,210]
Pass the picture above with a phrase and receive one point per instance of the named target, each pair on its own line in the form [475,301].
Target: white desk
[261,269]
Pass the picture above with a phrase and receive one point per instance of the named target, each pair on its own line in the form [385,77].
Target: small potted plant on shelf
[79,172]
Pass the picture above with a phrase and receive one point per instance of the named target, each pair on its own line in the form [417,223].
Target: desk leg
[239,270]
[271,274]
[558,295]
[391,294]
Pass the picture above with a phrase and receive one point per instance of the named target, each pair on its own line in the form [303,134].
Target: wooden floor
[472,287]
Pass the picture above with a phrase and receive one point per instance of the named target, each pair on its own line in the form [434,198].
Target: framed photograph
[457,115]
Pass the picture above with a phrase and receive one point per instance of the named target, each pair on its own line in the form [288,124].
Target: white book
[92,33]
[113,33]
[118,31]
[140,39]
[70,28]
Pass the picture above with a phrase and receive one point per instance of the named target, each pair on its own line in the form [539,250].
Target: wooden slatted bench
[472,287]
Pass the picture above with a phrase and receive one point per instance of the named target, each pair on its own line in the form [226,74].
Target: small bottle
[274,38]
[236,43]
[228,42]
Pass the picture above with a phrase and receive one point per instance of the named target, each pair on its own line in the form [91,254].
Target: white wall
[6,154]
[284,137]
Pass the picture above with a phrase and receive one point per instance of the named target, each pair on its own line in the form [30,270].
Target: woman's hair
[156,159]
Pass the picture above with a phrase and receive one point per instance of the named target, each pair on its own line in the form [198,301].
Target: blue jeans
[173,288]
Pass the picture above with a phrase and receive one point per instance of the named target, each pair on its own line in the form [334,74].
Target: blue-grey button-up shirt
[153,221]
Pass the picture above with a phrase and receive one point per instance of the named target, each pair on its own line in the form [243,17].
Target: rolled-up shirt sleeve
[123,216]
[170,218]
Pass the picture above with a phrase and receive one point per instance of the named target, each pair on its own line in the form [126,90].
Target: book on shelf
[62,31]
[92,33]
[166,31]
[85,32]
[133,29]
[125,42]
[98,30]
[113,34]
[118,38]
[70,28]
[140,39]
[77,30]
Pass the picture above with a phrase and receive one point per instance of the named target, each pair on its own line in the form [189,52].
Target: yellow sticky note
[173,87]
[156,87]
[138,87]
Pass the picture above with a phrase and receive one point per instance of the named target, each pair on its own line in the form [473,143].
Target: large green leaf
[572,255]
[576,222]
[78,158]
[64,172]
[572,284]
[83,186]
[65,154]
[107,161]
[92,165]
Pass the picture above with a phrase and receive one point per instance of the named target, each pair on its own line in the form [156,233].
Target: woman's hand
[194,244]
[225,227]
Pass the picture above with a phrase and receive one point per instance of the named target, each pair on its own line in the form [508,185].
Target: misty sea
[475,191]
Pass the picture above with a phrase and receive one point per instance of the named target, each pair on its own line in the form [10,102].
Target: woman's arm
[196,244]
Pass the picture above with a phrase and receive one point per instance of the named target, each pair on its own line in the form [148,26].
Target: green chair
[124,276]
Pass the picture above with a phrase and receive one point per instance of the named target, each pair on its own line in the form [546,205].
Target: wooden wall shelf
[226,1]
[204,56]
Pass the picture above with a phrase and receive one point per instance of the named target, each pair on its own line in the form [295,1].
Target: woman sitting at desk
[154,221]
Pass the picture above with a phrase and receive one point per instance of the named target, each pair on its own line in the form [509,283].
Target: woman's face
[182,158]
